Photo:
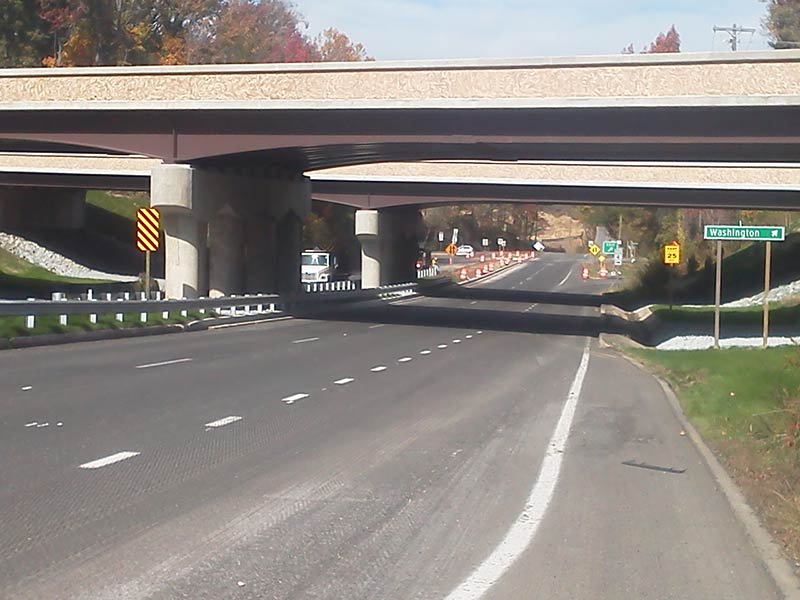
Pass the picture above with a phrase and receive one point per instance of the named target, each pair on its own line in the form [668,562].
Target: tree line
[162,32]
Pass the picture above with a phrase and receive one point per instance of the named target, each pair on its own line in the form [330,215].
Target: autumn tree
[783,23]
[664,43]
[266,31]
[24,35]
[334,46]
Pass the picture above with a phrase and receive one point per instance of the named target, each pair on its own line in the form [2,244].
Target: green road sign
[749,233]
[610,246]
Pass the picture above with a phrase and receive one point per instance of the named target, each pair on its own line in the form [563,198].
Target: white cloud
[418,29]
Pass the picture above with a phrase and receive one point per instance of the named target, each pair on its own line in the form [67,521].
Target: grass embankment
[19,270]
[746,405]
[124,206]
[11,327]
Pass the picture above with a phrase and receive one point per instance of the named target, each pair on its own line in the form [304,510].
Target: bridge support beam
[250,229]
[389,245]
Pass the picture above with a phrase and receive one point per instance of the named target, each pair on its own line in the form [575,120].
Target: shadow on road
[462,318]
[497,295]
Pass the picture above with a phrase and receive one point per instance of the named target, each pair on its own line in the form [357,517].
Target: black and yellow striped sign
[147,226]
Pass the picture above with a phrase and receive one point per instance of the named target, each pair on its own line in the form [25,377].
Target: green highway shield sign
[747,233]
[609,246]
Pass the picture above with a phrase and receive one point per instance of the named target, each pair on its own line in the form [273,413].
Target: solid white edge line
[563,281]
[304,340]
[523,530]
[246,323]
[344,381]
[377,326]
[108,460]
[166,362]
[224,421]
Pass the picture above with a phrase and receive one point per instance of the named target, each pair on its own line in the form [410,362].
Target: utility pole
[734,32]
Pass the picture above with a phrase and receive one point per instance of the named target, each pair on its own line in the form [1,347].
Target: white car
[465,250]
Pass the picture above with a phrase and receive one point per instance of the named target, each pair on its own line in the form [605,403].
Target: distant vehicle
[318,266]
[465,250]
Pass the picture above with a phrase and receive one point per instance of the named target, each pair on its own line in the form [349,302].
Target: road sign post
[767,269]
[148,225]
[672,257]
[748,233]
[717,294]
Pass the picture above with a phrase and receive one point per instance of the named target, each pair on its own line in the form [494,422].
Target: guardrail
[248,304]
[331,286]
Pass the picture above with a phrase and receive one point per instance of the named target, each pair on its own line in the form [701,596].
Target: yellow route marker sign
[601,259]
[451,249]
[672,254]
[594,249]
[148,223]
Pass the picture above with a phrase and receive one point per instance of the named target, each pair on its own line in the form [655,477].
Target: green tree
[783,23]
[24,35]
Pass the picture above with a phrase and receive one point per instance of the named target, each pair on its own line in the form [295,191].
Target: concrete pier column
[225,254]
[185,255]
[367,224]
[289,248]
[260,251]
[400,229]
[185,230]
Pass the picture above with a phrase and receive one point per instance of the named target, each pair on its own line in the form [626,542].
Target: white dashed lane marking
[425,352]
[32,424]
[405,359]
[304,340]
[165,363]
[109,460]
[378,369]
[294,398]
[344,381]
[456,341]
[469,337]
[442,346]
[26,388]
[223,421]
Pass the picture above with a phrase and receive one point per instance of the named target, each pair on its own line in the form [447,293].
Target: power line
[734,33]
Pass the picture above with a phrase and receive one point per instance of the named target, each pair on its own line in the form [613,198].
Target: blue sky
[420,29]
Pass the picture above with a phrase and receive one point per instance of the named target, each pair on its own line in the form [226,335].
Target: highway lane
[392,483]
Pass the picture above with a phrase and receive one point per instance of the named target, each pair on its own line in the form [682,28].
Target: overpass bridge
[235,140]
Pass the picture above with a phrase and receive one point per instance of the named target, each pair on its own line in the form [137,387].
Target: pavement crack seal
[642,465]
[523,530]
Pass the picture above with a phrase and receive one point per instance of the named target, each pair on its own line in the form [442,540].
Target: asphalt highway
[468,446]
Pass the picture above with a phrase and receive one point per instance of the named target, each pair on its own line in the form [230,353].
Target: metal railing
[227,305]
[331,286]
